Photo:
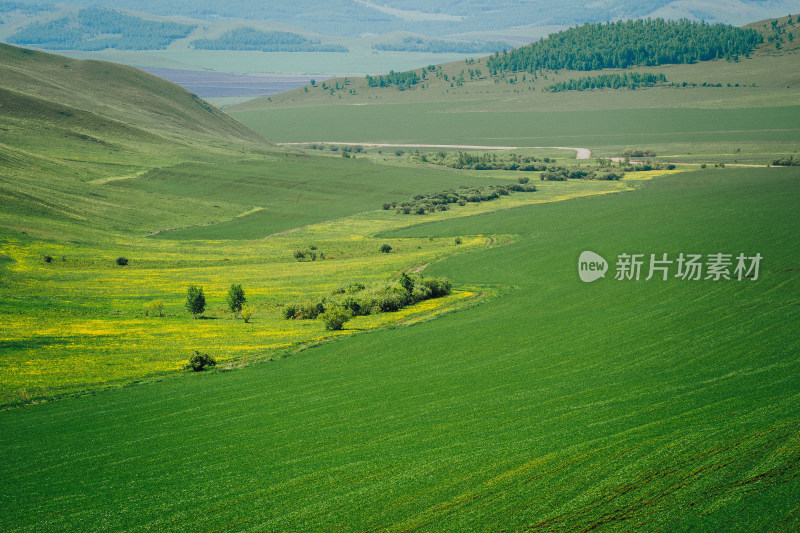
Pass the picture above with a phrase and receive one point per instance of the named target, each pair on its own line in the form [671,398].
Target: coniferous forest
[624,44]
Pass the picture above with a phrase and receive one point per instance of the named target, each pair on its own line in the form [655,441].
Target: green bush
[200,361]
[385,248]
[154,308]
[392,299]
[246,313]
[310,310]
[289,311]
[121,261]
[335,318]
[420,293]
[438,287]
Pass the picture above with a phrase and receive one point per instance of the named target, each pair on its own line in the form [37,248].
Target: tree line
[100,28]
[628,43]
[251,39]
[397,79]
[628,80]
[440,201]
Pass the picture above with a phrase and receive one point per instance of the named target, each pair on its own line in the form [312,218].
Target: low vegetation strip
[358,299]
[430,203]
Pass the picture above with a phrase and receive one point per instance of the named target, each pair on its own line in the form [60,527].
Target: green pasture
[292,190]
[606,131]
[663,405]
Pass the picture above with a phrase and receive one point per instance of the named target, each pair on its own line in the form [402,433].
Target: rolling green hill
[119,93]
[559,406]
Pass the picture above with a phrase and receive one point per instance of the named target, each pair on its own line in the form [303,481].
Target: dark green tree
[235,298]
[195,300]
[406,282]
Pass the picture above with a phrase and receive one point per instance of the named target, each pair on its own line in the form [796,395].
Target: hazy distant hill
[353,17]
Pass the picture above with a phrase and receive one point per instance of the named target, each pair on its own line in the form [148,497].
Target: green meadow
[558,405]
[609,131]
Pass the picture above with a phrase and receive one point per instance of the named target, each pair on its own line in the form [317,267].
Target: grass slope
[118,93]
[560,406]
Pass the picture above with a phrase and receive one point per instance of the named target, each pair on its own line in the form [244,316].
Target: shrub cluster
[357,299]
[638,153]
[310,254]
[786,162]
[484,161]
[200,361]
[602,172]
[580,173]
[648,165]
[440,201]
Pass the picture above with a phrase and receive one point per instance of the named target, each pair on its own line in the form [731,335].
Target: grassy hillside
[562,405]
[118,93]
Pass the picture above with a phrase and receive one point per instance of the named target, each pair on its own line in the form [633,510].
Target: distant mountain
[354,17]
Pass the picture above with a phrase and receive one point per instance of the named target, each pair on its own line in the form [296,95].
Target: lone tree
[195,300]
[236,298]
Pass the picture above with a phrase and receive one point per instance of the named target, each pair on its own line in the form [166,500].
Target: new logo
[591,267]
